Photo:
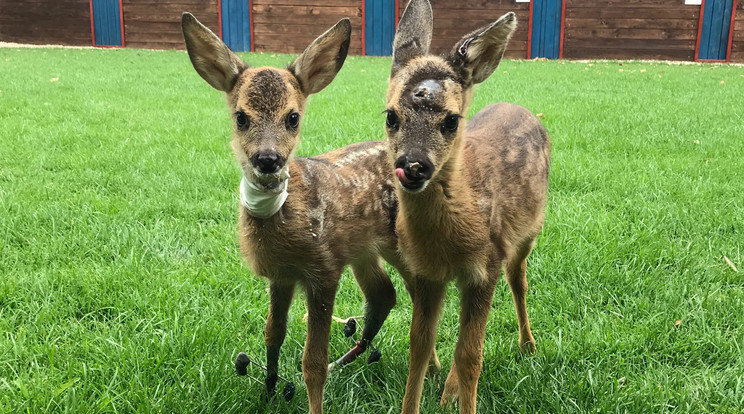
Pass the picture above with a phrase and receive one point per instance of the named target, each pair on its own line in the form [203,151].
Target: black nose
[267,162]
[415,170]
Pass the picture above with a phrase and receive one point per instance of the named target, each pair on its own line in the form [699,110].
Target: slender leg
[427,308]
[434,364]
[449,394]
[516,275]
[276,330]
[475,304]
[315,358]
[379,295]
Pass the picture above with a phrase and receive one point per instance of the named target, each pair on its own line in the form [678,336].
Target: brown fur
[341,206]
[481,209]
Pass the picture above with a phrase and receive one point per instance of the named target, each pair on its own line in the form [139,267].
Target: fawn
[471,200]
[303,219]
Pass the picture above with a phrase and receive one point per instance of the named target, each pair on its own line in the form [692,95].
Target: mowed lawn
[122,288]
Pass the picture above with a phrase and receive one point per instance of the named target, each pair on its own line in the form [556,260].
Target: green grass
[122,288]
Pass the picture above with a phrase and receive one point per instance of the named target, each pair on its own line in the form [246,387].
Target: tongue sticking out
[401,175]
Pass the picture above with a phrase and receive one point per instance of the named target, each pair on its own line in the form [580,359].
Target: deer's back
[507,151]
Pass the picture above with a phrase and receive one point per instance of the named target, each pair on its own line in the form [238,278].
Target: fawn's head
[267,103]
[428,95]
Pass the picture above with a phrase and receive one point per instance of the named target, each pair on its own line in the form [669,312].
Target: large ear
[316,67]
[211,57]
[413,37]
[479,53]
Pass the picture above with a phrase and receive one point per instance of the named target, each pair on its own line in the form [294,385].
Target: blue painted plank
[714,33]
[241,22]
[388,28]
[379,27]
[369,28]
[234,14]
[236,25]
[537,28]
[715,28]
[545,32]
[546,28]
[725,27]
[550,29]
[106,23]
[558,16]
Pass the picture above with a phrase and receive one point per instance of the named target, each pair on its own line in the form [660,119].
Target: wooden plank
[651,34]
[170,8]
[298,43]
[45,34]
[633,23]
[468,25]
[77,14]
[489,15]
[639,44]
[144,37]
[156,45]
[64,22]
[445,45]
[347,3]
[470,4]
[284,47]
[158,3]
[300,29]
[288,11]
[628,53]
[154,18]
[153,24]
[624,13]
[627,4]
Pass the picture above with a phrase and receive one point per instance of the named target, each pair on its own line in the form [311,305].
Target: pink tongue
[401,175]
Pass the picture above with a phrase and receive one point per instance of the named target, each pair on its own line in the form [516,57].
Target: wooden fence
[573,29]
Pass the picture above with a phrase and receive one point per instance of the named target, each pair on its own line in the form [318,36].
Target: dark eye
[241,120]
[293,120]
[392,119]
[450,123]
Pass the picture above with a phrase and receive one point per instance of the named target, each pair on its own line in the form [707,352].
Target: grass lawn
[122,288]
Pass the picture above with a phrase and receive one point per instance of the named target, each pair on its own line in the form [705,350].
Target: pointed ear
[479,53]
[413,37]
[211,57]
[316,67]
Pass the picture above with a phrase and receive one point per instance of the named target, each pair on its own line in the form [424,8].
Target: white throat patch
[259,202]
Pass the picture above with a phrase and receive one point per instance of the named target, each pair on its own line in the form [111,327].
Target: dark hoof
[374,356]
[350,327]
[289,391]
[241,364]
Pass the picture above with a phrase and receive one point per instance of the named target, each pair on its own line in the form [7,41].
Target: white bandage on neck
[259,202]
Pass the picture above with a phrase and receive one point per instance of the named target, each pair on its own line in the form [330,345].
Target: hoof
[374,356]
[241,364]
[289,391]
[528,348]
[350,327]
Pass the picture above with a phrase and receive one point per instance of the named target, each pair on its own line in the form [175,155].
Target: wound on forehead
[426,86]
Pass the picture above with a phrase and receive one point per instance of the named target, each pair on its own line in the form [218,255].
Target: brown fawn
[471,200]
[302,220]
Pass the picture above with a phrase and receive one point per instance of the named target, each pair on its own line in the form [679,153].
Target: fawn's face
[428,95]
[266,104]
[425,102]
